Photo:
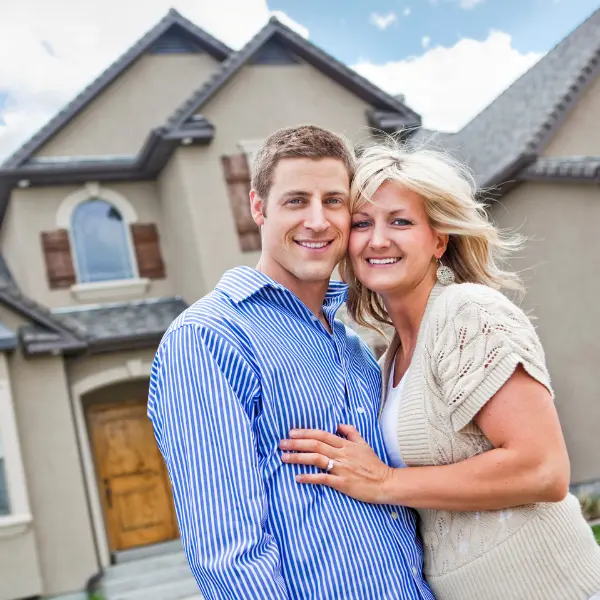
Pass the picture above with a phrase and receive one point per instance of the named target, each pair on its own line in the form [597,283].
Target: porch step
[151,577]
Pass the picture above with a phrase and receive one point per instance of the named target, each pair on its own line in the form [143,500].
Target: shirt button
[394,515]
[414,571]
[360,410]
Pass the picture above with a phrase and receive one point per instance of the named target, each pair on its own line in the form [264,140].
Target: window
[101,242]
[4,503]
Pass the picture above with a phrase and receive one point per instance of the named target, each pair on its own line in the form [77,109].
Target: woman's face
[392,246]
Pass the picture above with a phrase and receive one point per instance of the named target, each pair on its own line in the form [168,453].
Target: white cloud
[63,45]
[464,4]
[468,4]
[425,40]
[407,11]
[382,21]
[449,86]
[287,20]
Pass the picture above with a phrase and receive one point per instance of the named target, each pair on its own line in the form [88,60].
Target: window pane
[101,244]
[4,507]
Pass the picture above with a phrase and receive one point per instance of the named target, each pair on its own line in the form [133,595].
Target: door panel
[133,482]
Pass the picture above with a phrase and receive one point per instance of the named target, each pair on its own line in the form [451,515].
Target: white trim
[87,192]
[110,290]
[132,369]
[13,463]
[13,525]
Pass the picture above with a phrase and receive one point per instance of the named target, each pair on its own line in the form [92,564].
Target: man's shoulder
[214,313]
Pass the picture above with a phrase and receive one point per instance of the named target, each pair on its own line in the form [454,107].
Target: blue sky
[343,27]
[448,58]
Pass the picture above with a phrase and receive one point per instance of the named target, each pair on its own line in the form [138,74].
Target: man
[262,354]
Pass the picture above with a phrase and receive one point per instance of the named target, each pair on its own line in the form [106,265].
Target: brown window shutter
[147,250]
[237,176]
[59,262]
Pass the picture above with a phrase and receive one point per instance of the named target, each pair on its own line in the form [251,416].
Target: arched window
[101,242]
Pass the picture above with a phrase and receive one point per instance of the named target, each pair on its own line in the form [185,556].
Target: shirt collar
[241,283]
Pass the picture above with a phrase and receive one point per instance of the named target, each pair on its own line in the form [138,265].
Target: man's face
[307,223]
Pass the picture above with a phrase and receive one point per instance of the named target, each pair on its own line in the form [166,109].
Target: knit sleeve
[477,339]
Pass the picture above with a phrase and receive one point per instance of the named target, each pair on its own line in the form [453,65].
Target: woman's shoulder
[462,301]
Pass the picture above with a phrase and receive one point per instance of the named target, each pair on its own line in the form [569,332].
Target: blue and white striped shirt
[233,374]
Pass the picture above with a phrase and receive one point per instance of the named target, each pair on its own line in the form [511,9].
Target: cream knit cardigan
[470,341]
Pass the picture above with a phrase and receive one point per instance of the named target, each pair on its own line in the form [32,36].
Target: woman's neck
[406,309]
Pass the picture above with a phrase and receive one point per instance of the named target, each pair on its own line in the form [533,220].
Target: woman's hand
[356,470]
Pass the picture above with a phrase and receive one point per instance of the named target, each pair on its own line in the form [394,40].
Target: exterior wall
[19,568]
[34,210]
[580,133]
[20,574]
[183,234]
[118,121]
[61,519]
[259,100]
[562,262]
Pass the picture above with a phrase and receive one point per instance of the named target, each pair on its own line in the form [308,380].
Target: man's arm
[201,396]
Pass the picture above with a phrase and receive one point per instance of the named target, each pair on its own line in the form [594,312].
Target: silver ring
[330,465]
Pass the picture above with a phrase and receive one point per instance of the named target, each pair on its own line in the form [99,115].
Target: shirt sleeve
[479,337]
[201,400]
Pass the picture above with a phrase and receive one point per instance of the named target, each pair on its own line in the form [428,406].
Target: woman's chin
[381,284]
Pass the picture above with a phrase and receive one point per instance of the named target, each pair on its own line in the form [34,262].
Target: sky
[449,58]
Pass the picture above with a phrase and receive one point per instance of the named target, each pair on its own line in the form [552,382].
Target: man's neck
[311,293]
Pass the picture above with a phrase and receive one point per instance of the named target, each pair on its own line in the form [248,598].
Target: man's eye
[360,224]
[295,201]
[334,201]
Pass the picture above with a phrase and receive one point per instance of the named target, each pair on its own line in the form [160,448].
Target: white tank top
[388,420]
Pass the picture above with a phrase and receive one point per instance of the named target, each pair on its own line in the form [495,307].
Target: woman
[467,400]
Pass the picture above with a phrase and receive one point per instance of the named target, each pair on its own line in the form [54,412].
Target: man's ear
[257,208]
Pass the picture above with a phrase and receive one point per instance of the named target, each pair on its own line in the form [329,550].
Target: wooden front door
[132,478]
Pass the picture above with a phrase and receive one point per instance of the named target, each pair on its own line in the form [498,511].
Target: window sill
[11,525]
[110,290]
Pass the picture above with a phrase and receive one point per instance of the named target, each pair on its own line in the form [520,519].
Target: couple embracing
[301,469]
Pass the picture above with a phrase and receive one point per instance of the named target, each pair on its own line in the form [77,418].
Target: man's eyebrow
[303,193]
[337,193]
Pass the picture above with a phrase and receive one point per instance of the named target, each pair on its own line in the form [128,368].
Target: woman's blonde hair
[476,248]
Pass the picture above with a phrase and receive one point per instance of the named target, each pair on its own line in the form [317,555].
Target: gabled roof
[107,327]
[172,21]
[278,32]
[510,133]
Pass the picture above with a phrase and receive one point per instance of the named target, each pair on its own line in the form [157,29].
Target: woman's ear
[442,245]
[257,208]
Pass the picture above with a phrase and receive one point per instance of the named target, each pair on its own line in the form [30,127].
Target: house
[130,204]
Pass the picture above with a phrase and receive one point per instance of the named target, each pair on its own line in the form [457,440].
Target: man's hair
[303,141]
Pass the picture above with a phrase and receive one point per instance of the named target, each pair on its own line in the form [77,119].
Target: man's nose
[317,219]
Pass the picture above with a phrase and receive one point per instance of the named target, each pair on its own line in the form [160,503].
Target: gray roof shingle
[510,132]
[122,321]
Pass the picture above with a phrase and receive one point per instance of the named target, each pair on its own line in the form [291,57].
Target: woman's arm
[528,464]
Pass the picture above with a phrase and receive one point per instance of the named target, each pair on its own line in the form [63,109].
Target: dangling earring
[445,275]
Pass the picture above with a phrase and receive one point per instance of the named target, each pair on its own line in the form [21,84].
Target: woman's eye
[360,224]
[402,222]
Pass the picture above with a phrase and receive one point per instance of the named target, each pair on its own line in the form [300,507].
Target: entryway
[133,485]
